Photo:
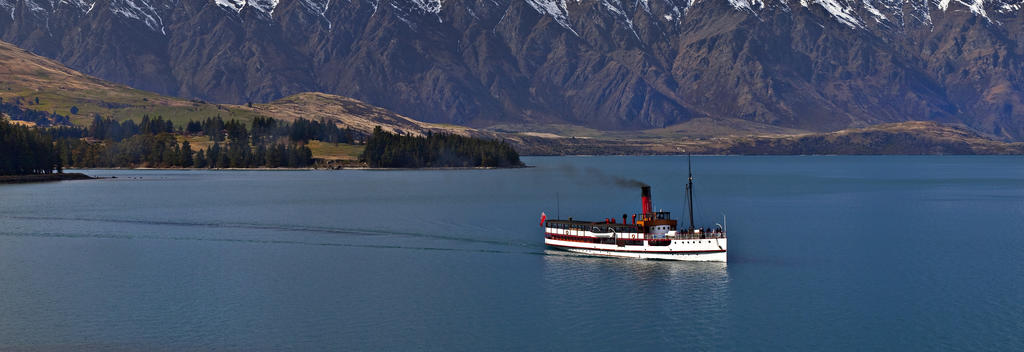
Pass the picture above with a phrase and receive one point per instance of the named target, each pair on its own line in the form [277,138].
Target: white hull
[705,250]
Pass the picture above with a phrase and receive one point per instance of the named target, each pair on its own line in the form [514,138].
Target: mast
[689,189]
[558,207]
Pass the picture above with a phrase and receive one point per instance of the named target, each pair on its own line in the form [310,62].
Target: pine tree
[201,159]
[213,156]
[186,154]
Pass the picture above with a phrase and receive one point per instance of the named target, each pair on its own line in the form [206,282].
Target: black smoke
[593,174]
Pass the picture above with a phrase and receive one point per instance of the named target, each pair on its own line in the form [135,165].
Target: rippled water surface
[857,253]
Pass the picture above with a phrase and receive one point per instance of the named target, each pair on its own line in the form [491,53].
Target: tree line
[163,150]
[387,150]
[153,142]
[265,142]
[24,151]
[265,129]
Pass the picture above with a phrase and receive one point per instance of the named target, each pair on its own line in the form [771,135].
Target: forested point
[265,142]
[154,142]
[389,150]
[25,151]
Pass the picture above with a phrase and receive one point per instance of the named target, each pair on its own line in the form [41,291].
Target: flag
[542,218]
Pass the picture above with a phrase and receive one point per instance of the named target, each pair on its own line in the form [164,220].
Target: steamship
[650,235]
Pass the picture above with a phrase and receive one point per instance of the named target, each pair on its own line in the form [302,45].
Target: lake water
[849,253]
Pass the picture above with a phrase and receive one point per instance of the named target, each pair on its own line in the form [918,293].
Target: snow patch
[854,13]
[81,5]
[235,5]
[37,7]
[264,6]
[8,5]
[554,8]
[746,4]
[1006,8]
[402,18]
[618,11]
[139,10]
[977,7]
[844,14]
[871,8]
[430,6]
[319,7]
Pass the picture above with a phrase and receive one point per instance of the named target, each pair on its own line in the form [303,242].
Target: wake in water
[258,241]
[531,248]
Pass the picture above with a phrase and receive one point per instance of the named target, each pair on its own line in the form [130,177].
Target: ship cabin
[657,224]
[650,227]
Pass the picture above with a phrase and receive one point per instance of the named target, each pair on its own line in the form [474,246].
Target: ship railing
[694,236]
[706,235]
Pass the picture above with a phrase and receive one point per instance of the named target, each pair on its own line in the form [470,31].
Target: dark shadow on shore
[43,177]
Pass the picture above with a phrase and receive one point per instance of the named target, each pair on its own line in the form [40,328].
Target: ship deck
[588,229]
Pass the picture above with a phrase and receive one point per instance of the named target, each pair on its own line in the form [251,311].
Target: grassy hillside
[25,76]
[350,113]
[913,137]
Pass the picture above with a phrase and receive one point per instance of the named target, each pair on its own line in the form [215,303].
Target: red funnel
[645,197]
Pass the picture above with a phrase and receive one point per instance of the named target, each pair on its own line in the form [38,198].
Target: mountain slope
[817,65]
[25,77]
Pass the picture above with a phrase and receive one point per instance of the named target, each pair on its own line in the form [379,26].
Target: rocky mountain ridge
[29,82]
[819,65]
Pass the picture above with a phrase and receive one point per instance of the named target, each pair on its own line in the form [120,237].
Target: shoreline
[300,168]
[33,178]
[436,168]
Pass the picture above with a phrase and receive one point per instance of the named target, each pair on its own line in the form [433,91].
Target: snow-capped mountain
[626,64]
